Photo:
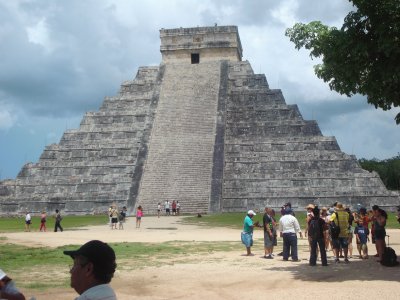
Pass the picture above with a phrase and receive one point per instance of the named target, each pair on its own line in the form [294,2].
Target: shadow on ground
[363,270]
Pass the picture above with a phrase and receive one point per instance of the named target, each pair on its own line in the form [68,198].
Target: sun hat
[339,206]
[251,212]
[310,206]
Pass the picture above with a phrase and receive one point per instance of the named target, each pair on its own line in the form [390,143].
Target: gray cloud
[60,58]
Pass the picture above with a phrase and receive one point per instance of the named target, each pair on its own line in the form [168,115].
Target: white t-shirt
[98,292]
[27,217]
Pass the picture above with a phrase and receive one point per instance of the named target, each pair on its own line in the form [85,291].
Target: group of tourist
[116,216]
[175,206]
[43,219]
[326,229]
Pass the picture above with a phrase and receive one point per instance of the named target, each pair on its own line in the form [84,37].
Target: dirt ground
[224,275]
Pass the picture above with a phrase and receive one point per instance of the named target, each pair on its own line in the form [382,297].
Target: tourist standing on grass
[158,209]
[8,290]
[114,217]
[326,218]
[94,267]
[310,207]
[122,217]
[341,218]
[350,231]
[28,221]
[139,215]
[380,232]
[43,221]
[361,234]
[316,230]
[247,233]
[268,233]
[289,227]
[274,230]
[173,208]
[167,211]
[109,215]
[372,217]
[58,218]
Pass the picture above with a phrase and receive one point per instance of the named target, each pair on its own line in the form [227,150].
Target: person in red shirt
[174,208]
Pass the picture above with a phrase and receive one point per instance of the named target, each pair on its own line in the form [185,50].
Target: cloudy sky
[59,59]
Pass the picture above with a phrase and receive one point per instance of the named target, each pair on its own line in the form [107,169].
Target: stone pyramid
[200,128]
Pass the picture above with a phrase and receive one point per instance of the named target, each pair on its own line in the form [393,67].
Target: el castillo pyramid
[200,128]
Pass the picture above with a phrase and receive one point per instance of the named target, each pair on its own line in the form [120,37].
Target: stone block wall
[97,163]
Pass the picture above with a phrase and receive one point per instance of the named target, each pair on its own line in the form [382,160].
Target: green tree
[363,56]
[388,170]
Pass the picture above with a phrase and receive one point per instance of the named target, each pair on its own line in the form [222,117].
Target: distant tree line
[388,170]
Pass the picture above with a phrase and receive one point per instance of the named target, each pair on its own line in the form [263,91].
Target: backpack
[314,230]
[335,229]
[389,258]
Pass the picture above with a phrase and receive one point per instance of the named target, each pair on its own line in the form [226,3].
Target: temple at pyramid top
[200,44]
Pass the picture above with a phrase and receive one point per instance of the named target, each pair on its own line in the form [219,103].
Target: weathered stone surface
[209,133]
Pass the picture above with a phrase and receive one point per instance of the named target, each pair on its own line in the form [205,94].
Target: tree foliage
[388,170]
[363,56]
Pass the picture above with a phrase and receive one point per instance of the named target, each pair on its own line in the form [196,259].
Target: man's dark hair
[383,213]
[375,207]
[57,210]
[316,212]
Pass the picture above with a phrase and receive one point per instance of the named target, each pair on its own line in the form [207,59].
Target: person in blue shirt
[247,233]
[361,234]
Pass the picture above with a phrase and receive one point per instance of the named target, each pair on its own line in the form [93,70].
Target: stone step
[181,147]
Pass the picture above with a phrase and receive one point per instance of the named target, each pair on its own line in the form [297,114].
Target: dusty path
[153,230]
[224,275]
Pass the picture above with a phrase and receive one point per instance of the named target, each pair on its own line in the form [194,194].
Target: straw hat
[310,206]
[339,206]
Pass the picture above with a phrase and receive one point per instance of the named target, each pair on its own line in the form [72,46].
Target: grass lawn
[53,265]
[68,222]
[230,220]
[235,220]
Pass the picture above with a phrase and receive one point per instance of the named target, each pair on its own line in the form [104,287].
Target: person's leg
[366,255]
[293,246]
[335,249]
[313,252]
[344,245]
[350,245]
[359,248]
[380,244]
[321,243]
[286,246]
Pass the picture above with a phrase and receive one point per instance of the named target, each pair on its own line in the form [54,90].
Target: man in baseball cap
[247,233]
[93,269]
